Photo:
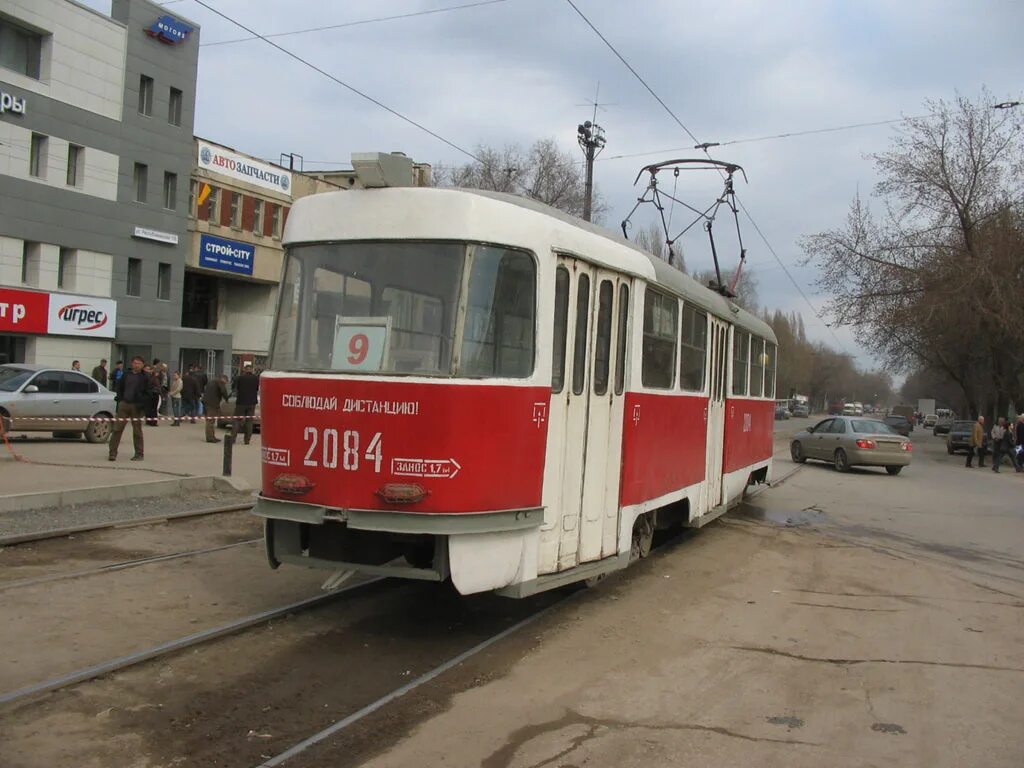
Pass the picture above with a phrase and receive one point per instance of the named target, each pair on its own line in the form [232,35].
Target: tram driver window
[498,338]
[661,314]
[740,359]
[693,346]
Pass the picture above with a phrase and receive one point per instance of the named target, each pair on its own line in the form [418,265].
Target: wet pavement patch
[787,720]
[891,728]
[788,519]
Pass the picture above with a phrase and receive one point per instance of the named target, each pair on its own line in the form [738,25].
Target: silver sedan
[849,441]
[34,398]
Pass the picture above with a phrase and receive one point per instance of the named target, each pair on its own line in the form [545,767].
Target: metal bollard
[229,444]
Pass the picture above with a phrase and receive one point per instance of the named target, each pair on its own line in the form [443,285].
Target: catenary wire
[791,134]
[697,141]
[340,82]
[396,17]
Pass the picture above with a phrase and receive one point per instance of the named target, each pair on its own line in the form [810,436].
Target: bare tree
[542,172]
[746,287]
[652,239]
[933,281]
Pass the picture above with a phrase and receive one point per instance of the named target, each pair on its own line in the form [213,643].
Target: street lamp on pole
[591,140]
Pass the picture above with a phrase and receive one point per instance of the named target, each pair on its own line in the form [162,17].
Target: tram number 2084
[326,446]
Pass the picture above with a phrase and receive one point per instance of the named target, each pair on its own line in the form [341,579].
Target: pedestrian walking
[100,372]
[191,394]
[76,365]
[998,438]
[247,388]
[203,381]
[977,445]
[215,393]
[132,395]
[174,393]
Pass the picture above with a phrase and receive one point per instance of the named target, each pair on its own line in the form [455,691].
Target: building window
[66,268]
[134,287]
[29,263]
[163,282]
[20,49]
[76,163]
[257,218]
[214,202]
[174,107]
[37,155]
[141,182]
[170,191]
[236,210]
[275,221]
[145,95]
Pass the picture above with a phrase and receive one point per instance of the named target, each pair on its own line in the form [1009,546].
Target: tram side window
[603,346]
[769,369]
[499,330]
[740,359]
[620,343]
[661,313]
[693,345]
[561,329]
[579,352]
[757,367]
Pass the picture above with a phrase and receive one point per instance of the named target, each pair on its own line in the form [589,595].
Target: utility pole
[591,140]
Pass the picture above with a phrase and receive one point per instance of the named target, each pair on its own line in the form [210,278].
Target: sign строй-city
[56,314]
[226,255]
[227,163]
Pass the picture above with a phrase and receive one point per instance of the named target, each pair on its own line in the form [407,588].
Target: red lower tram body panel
[350,443]
[749,432]
[664,444]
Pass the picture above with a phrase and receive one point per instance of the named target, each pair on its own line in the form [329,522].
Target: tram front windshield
[415,308]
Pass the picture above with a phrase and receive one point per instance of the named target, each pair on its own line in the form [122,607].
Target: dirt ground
[840,620]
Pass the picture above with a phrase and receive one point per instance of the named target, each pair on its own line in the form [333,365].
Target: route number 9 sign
[360,343]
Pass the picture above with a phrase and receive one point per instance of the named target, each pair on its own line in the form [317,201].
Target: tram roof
[439,216]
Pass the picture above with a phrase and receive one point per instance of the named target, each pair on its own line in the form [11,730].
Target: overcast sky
[518,70]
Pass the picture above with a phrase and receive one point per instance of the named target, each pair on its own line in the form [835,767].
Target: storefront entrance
[12,349]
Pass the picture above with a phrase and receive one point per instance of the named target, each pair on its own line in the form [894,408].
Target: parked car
[848,441]
[34,398]
[801,411]
[959,437]
[781,413]
[942,427]
[929,420]
[900,424]
[228,410]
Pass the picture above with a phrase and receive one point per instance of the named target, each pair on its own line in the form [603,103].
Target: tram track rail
[174,646]
[57,533]
[123,565]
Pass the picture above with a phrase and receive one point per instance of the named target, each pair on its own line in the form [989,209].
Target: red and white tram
[474,385]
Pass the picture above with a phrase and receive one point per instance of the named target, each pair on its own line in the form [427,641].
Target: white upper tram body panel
[431,213]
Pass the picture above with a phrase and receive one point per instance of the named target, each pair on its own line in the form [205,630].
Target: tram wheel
[643,536]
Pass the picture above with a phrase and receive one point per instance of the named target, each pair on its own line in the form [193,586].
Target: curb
[23,501]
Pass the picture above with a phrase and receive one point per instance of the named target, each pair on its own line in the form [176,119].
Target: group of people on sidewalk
[1004,440]
[144,390]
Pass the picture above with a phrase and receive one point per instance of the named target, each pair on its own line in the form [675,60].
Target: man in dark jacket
[191,393]
[100,373]
[132,393]
[215,393]
[247,388]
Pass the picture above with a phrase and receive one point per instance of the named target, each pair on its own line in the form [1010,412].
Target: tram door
[719,338]
[586,409]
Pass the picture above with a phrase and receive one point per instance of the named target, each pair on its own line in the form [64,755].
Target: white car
[34,398]
[930,420]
